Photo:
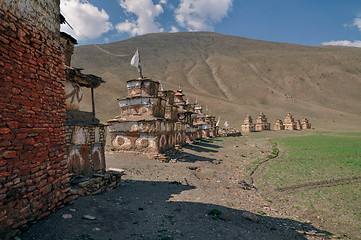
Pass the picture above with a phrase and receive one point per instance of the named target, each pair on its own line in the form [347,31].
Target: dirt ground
[197,195]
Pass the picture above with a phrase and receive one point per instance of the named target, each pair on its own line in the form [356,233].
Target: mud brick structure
[141,125]
[180,119]
[248,125]
[153,121]
[210,120]
[305,124]
[85,135]
[184,117]
[85,145]
[34,178]
[261,123]
[229,132]
[199,120]
[279,125]
[170,109]
[289,122]
[298,124]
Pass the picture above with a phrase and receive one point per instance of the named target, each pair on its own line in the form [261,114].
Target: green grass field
[321,173]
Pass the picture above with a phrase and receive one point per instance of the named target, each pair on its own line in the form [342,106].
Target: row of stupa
[154,121]
[261,124]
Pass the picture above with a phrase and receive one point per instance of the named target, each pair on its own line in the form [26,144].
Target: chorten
[305,124]
[261,123]
[141,125]
[199,120]
[248,125]
[279,125]
[289,122]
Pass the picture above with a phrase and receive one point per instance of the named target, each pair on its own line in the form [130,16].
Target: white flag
[136,62]
[219,119]
[226,124]
[135,59]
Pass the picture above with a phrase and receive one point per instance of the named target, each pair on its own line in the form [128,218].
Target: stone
[66,216]
[89,217]
[84,184]
[9,154]
[4,130]
[250,216]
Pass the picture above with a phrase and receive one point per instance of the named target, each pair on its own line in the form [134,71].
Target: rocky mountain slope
[234,76]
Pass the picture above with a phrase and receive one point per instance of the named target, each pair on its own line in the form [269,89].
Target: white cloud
[201,15]
[346,43]
[163,2]
[87,20]
[146,12]
[357,23]
[174,29]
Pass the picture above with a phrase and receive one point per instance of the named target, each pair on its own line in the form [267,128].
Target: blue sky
[308,22]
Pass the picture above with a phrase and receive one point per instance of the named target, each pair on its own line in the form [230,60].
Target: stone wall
[34,177]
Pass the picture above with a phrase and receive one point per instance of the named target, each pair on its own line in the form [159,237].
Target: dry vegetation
[234,76]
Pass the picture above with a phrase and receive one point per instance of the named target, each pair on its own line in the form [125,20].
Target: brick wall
[34,178]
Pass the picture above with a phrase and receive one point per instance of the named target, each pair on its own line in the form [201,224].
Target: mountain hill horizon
[233,76]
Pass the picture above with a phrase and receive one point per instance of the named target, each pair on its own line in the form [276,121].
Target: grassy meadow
[317,176]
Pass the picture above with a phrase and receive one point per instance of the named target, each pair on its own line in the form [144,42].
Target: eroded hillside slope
[234,76]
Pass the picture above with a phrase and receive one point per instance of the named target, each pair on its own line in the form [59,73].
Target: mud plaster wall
[33,171]
[85,149]
[148,136]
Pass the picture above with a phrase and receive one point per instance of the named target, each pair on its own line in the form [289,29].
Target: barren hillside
[234,76]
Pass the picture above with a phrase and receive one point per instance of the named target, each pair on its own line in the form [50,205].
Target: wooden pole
[93,105]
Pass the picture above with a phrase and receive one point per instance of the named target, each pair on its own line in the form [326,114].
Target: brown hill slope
[234,76]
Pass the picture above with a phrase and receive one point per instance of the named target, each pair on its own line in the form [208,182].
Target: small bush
[215,213]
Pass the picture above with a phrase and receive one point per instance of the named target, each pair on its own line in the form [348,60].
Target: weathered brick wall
[43,14]
[33,171]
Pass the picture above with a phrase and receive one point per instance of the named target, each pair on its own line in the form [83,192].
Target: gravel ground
[195,196]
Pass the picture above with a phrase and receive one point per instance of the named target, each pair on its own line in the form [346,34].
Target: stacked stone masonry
[97,183]
[153,121]
[34,178]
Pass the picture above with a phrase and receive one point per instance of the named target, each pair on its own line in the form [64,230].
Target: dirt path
[113,54]
[175,200]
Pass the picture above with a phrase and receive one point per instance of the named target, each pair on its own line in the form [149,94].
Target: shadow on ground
[189,157]
[144,210]
[203,146]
